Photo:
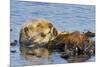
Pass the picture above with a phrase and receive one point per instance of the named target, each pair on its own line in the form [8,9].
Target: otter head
[37,32]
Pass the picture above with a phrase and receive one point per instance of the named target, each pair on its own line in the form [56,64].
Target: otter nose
[41,34]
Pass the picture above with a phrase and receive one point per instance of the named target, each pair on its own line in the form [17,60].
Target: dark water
[65,17]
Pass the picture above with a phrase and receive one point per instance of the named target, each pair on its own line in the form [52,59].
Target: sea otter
[36,33]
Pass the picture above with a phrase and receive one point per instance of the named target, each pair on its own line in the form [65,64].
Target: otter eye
[43,35]
[38,25]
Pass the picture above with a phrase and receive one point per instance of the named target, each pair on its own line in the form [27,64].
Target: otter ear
[25,29]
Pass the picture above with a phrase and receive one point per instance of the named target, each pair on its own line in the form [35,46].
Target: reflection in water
[24,60]
[21,60]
